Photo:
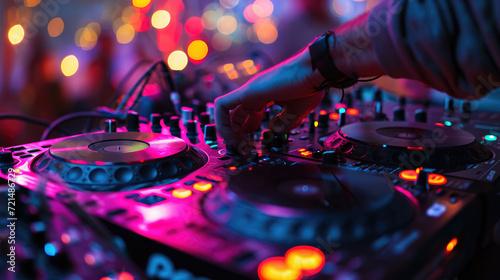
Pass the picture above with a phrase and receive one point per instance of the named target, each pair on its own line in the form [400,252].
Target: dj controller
[365,189]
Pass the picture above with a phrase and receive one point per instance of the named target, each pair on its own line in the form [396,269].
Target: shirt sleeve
[452,46]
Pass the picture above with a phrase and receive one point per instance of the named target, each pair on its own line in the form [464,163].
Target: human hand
[291,84]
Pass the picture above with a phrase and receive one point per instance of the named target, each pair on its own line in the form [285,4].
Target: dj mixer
[365,189]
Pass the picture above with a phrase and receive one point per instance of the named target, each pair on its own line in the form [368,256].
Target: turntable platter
[305,201]
[408,144]
[120,161]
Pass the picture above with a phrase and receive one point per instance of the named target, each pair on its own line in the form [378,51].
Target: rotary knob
[175,129]
[132,121]
[155,122]
[210,133]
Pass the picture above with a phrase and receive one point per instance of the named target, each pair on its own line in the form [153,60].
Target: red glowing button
[352,112]
[182,193]
[451,245]
[440,124]
[202,186]
[436,179]
[339,106]
[276,268]
[309,260]
[409,175]
[233,168]
[323,112]
[334,116]
[124,275]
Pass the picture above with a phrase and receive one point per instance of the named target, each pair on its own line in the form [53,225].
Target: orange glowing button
[334,116]
[306,153]
[409,175]
[322,112]
[182,193]
[233,168]
[202,186]
[451,245]
[309,260]
[302,150]
[352,111]
[436,179]
[214,178]
[276,268]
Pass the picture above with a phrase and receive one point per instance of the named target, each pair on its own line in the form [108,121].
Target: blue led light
[342,110]
[490,137]
[447,123]
[50,249]
[384,146]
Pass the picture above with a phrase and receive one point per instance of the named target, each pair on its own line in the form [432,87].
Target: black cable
[125,78]
[77,115]
[369,80]
[28,119]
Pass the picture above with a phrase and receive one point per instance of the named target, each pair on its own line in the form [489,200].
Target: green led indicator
[490,137]
[447,123]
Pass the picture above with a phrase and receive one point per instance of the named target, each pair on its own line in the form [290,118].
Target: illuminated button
[334,116]
[322,112]
[309,260]
[210,177]
[182,193]
[340,106]
[409,175]
[342,110]
[490,138]
[124,275]
[440,124]
[306,153]
[447,123]
[352,111]
[202,186]
[436,210]
[302,150]
[275,268]
[436,179]
[451,245]
[233,168]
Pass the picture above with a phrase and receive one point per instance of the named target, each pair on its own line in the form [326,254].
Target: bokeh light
[55,27]
[140,3]
[227,24]
[229,4]
[194,26]
[221,42]
[177,60]
[250,15]
[69,65]
[125,34]
[197,50]
[139,21]
[16,34]
[266,31]
[31,3]
[210,19]
[276,268]
[263,8]
[160,19]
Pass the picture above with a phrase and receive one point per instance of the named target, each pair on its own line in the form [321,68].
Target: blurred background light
[55,27]
[16,34]
[125,34]
[69,65]
[141,3]
[197,50]
[194,26]
[229,4]
[31,3]
[227,24]
[177,60]
[160,19]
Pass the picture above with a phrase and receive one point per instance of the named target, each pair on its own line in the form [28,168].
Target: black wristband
[321,60]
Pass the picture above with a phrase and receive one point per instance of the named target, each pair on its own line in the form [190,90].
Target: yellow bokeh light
[88,39]
[31,3]
[140,3]
[229,4]
[16,34]
[55,27]
[125,34]
[95,27]
[177,60]
[227,24]
[160,19]
[266,31]
[69,65]
[221,42]
[197,50]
